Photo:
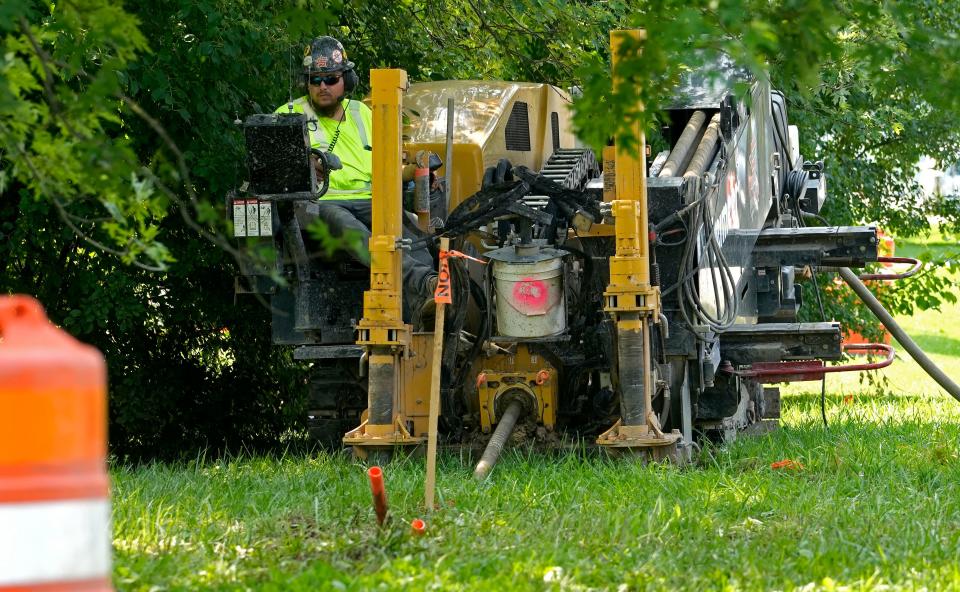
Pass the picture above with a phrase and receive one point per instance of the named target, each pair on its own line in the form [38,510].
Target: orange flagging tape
[444,292]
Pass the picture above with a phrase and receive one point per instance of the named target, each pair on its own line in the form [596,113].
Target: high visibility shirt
[353,142]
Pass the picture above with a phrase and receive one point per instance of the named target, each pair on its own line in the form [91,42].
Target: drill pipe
[703,155]
[681,151]
[507,422]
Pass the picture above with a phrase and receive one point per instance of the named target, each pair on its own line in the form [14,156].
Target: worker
[344,127]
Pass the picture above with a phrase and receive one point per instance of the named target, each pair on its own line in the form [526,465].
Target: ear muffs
[350,80]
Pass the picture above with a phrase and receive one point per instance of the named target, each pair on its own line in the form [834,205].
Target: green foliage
[188,366]
[537,40]
[59,128]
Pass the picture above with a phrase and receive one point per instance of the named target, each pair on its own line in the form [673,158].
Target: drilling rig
[637,301]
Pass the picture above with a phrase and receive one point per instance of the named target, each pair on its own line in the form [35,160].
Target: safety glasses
[328,80]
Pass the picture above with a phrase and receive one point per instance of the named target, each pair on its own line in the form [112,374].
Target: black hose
[583,297]
[449,377]
[476,292]
[691,307]
[902,338]
[795,184]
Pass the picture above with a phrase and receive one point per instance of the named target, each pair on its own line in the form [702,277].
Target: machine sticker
[253,218]
[320,61]
[266,219]
[239,218]
[530,296]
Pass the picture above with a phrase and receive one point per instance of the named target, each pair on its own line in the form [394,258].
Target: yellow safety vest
[352,145]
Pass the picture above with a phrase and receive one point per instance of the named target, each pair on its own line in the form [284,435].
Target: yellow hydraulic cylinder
[630,299]
[383,303]
[630,267]
[382,331]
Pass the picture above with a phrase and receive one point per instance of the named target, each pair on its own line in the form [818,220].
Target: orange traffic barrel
[54,490]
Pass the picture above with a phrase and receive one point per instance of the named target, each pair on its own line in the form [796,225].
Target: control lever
[328,162]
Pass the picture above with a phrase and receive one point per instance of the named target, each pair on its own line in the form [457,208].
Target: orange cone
[54,490]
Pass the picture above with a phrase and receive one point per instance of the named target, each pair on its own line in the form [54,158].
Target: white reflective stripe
[54,541]
[317,135]
[365,190]
[355,115]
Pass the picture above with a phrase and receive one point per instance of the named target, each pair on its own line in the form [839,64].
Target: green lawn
[876,506]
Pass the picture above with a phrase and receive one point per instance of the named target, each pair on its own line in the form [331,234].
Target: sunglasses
[328,80]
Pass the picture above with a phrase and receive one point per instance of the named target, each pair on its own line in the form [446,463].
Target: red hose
[917,264]
[771,372]
[379,493]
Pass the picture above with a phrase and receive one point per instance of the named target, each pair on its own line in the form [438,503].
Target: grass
[936,243]
[875,506]
[877,502]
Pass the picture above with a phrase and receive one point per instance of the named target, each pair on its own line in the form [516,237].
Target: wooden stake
[435,387]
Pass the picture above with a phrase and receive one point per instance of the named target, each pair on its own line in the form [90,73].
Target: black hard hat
[325,55]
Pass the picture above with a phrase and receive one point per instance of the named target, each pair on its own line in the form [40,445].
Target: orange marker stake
[418,527]
[786,465]
[379,493]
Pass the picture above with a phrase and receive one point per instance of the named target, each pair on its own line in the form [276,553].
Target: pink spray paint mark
[531,296]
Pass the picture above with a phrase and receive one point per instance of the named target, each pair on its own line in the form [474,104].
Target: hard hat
[325,55]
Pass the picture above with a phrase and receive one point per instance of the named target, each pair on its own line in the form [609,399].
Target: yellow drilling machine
[634,300]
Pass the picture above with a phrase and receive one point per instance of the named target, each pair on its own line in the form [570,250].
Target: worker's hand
[317,165]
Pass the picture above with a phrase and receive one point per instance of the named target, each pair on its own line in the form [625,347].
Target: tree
[117,162]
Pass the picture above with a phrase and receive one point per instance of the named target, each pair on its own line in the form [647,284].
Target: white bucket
[530,299]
